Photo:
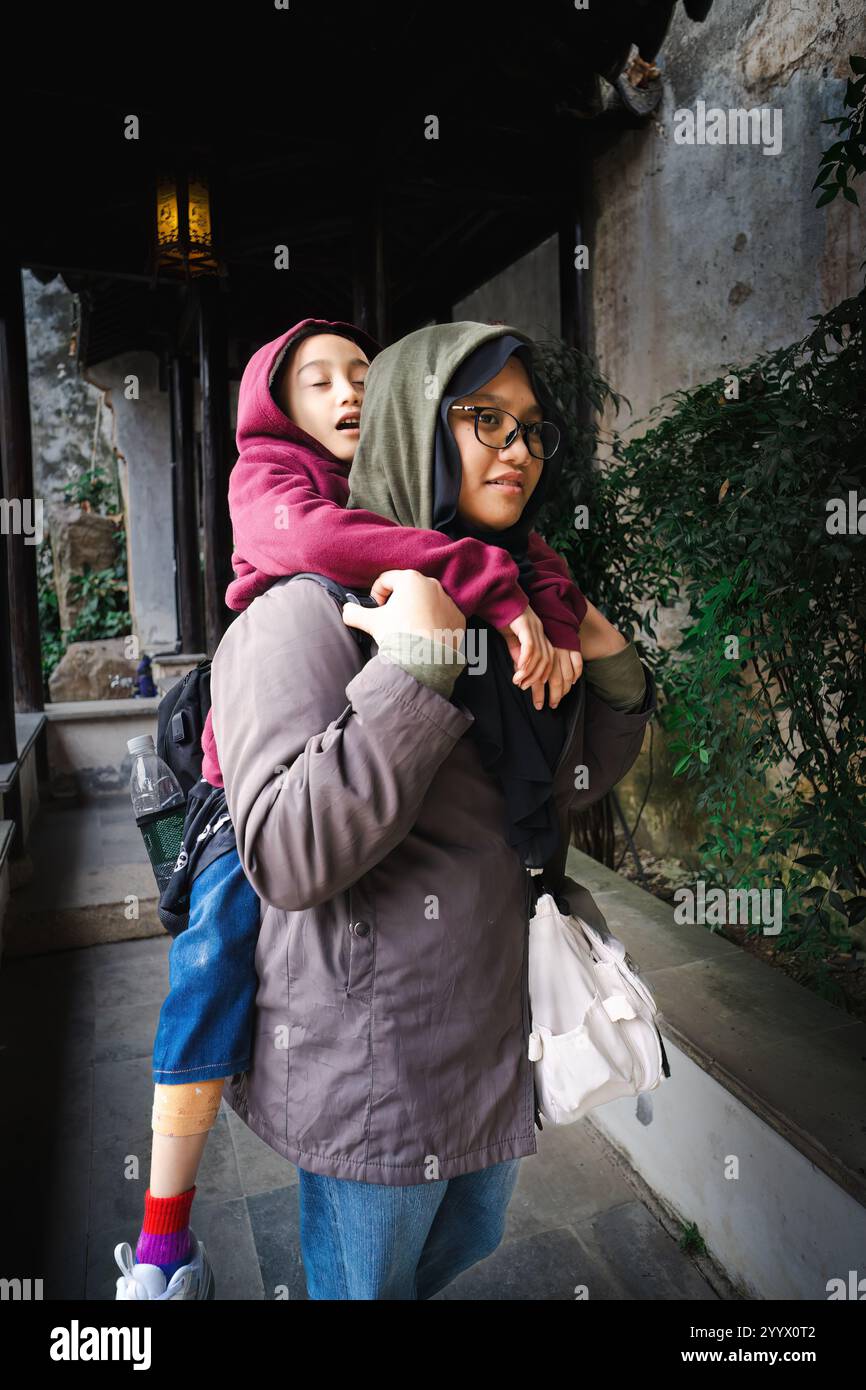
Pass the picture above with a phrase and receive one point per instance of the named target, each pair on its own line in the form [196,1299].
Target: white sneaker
[192,1280]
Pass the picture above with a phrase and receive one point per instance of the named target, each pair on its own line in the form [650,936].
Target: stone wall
[79,421]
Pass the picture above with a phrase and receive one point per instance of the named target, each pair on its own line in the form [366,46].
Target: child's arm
[285,524]
[291,521]
[555,597]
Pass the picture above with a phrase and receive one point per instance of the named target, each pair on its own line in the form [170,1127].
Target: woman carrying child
[387,1052]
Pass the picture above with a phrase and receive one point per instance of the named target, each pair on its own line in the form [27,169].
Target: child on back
[298,426]
[298,414]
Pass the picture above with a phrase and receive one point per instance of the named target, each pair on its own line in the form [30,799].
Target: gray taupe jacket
[392,1012]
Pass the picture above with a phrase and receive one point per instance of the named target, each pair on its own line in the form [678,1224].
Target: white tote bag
[594,1037]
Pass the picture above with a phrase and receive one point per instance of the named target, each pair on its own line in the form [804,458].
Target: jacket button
[361,928]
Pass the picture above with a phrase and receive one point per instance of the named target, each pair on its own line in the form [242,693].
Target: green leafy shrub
[103,594]
[724,501]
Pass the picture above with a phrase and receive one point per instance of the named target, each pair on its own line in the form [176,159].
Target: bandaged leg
[190,1108]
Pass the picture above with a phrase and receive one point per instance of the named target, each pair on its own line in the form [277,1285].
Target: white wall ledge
[759,1133]
[68,710]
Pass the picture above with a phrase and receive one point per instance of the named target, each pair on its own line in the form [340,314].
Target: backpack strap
[340,594]
[181,716]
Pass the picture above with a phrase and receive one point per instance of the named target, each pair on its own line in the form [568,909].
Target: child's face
[324,385]
[497,505]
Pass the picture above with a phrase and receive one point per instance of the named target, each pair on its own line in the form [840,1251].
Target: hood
[407,467]
[394,471]
[258,413]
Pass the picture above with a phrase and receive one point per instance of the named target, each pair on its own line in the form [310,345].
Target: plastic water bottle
[159,807]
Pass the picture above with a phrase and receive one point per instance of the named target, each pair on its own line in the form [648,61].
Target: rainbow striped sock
[165,1238]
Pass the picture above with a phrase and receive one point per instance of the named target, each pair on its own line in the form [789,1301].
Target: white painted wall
[782,1228]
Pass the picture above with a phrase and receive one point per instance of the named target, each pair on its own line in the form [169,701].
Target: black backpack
[182,711]
[208,832]
[180,717]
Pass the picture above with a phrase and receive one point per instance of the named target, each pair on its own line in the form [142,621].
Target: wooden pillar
[12,807]
[8,741]
[362,276]
[369,285]
[380,283]
[15,447]
[215,458]
[186,535]
[575,285]
[572,296]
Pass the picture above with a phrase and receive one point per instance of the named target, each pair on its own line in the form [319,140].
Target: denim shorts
[363,1240]
[205,1027]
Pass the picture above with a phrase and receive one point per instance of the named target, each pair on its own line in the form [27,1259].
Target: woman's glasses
[498,428]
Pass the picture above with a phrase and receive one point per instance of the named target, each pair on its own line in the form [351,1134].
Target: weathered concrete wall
[710,254]
[69,430]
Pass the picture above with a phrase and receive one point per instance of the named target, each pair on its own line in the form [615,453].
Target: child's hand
[531,652]
[567,666]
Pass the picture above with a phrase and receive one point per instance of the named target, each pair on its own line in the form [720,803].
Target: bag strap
[340,595]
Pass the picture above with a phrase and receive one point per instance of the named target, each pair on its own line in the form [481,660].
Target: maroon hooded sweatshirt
[281,466]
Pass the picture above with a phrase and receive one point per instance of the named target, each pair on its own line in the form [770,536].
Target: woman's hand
[531,652]
[409,602]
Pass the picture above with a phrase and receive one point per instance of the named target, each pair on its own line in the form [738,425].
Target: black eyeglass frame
[522,427]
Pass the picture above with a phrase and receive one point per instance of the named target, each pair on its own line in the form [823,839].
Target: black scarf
[518,744]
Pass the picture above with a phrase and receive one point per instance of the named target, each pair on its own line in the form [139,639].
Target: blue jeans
[363,1240]
[205,1027]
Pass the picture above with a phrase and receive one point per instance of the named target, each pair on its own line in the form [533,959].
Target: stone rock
[78,538]
[86,669]
[668,626]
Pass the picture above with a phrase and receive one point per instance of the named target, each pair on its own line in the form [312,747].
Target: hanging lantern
[198,220]
[184,234]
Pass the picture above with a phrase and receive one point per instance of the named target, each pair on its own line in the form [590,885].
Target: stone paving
[77,1030]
